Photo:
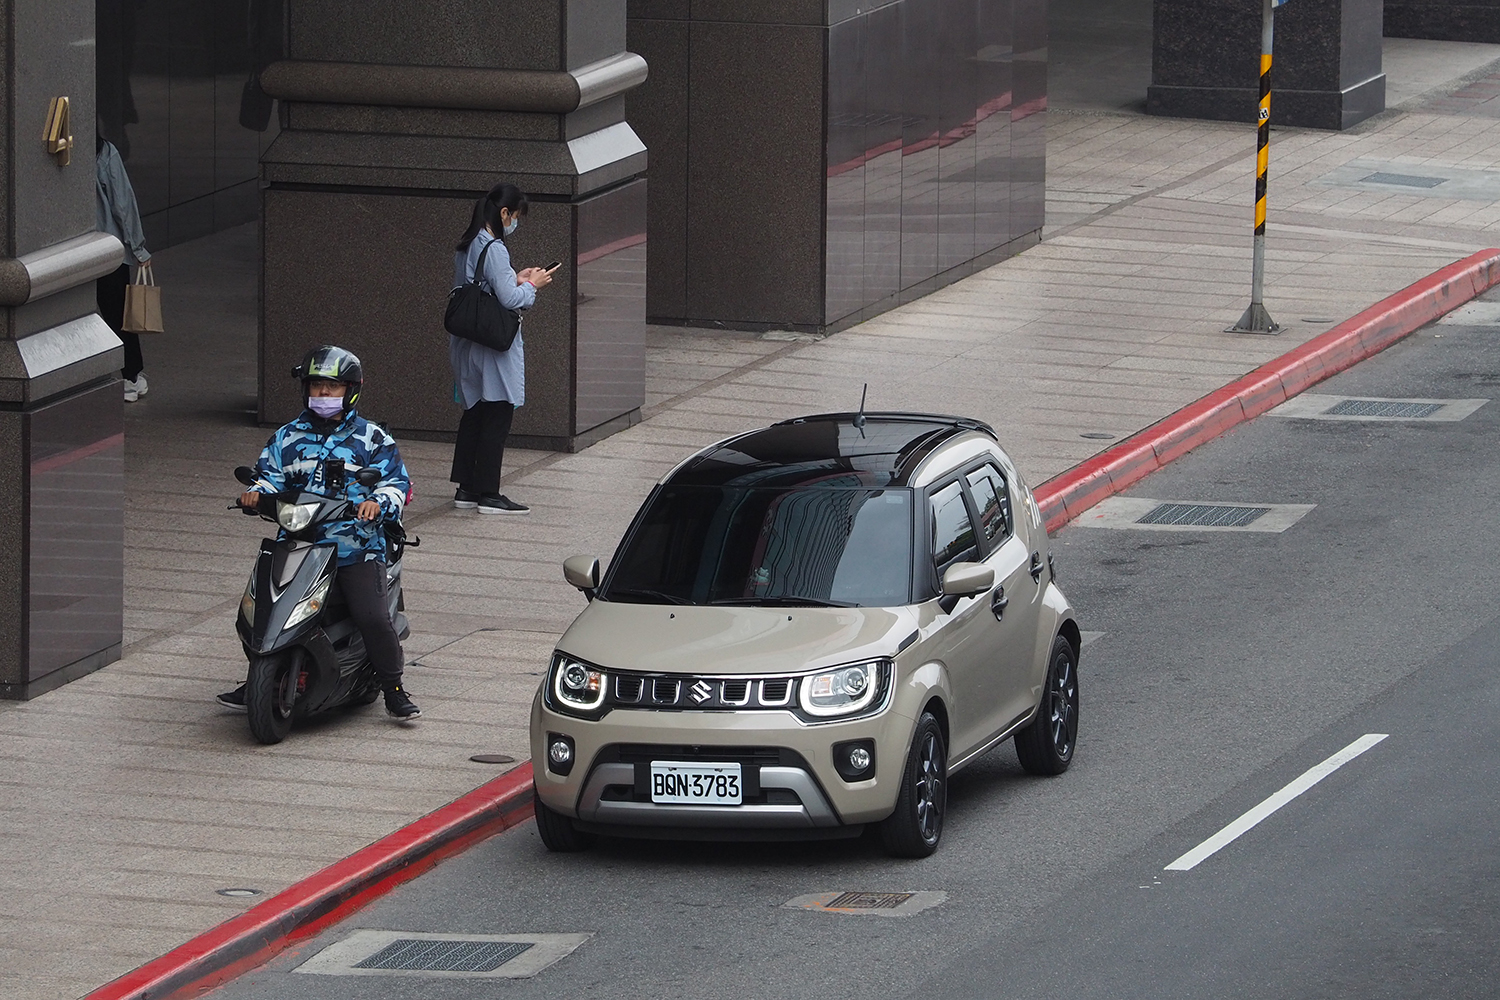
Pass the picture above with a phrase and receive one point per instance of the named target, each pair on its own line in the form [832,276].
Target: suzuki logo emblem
[701,692]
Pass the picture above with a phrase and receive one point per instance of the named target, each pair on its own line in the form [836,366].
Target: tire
[558,832]
[1047,743]
[270,696]
[914,829]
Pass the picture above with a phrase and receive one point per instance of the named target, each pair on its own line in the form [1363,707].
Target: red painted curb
[306,908]
[1064,497]
[323,899]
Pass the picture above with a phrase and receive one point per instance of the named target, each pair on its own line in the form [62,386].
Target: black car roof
[827,449]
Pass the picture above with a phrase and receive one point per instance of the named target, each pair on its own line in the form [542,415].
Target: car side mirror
[245,475]
[965,579]
[367,477]
[583,573]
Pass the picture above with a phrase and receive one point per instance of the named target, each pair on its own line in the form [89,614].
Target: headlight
[311,604]
[247,603]
[840,691]
[577,685]
[295,516]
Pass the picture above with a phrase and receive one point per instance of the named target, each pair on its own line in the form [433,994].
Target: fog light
[559,753]
[855,760]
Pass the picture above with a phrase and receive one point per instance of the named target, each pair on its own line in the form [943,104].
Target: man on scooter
[330,429]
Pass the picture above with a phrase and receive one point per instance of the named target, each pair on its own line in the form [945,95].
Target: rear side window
[993,500]
[952,530]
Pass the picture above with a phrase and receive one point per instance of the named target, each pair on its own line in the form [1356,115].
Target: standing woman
[118,215]
[489,383]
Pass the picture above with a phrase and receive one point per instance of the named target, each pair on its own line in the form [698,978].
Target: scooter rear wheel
[270,695]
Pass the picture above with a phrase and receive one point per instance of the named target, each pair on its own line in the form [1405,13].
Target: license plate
[681,783]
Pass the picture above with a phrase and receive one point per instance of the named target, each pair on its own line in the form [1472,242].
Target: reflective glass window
[952,530]
[993,500]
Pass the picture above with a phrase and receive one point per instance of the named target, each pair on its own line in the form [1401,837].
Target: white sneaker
[140,384]
[131,392]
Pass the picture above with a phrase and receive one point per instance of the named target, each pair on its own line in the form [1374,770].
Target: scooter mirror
[245,475]
[367,477]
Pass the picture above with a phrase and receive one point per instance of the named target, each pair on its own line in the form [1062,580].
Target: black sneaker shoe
[496,503]
[464,500]
[399,706]
[233,699]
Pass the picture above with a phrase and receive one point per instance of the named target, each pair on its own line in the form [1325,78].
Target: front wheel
[270,694]
[558,832]
[914,829]
[1046,745]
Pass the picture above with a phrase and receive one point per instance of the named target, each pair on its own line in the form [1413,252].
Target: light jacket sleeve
[501,278]
[395,484]
[120,197]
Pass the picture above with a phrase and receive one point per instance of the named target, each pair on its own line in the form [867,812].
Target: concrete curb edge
[1064,497]
[328,896]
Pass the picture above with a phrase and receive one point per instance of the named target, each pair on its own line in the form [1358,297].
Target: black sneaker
[497,503]
[399,706]
[233,699]
[464,500]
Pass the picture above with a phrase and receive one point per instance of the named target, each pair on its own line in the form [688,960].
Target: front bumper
[791,783]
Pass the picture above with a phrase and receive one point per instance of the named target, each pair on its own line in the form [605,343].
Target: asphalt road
[1229,664]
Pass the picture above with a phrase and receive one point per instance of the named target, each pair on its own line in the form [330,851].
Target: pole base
[1255,320]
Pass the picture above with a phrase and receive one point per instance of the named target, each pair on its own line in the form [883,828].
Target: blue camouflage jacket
[297,453]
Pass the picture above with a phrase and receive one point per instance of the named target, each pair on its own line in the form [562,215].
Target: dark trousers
[481,446]
[110,292]
[363,587]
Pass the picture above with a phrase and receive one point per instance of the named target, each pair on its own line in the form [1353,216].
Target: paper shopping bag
[143,304]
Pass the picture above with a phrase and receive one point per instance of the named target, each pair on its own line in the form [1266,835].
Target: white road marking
[1296,787]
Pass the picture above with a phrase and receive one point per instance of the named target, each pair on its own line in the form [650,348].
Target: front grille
[664,691]
[692,691]
[417,955]
[628,689]
[775,692]
[735,692]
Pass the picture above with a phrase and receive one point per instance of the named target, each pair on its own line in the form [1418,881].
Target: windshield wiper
[658,595]
[785,602]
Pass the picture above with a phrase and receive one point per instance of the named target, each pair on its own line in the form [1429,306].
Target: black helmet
[334,364]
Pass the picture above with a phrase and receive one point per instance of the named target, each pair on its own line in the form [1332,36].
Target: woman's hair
[487,212]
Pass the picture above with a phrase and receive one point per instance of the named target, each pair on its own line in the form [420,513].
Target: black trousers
[110,292]
[363,587]
[480,447]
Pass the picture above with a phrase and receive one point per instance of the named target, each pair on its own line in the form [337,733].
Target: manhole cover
[1382,408]
[412,955]
[868,900]
[1403,180]
[1202,515]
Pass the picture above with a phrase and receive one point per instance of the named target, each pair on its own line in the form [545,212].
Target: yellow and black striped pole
[1256,319]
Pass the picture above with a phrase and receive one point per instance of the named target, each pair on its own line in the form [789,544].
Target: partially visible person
[331,428]
[118,215]
[490,384]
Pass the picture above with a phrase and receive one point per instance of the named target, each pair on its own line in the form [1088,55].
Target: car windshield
[816,545]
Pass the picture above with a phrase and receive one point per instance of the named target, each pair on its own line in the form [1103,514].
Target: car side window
[953,537]
[987,486]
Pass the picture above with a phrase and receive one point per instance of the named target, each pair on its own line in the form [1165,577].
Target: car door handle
[1036,567]
[999,603]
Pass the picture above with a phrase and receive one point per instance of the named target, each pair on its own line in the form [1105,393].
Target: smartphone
[552,266]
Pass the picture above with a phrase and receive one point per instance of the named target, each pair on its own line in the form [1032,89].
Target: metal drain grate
[1201,515]
[1382,408]
[1403,180]
[868,900]
[413,955]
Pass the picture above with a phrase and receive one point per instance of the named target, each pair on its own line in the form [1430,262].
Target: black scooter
[306,655]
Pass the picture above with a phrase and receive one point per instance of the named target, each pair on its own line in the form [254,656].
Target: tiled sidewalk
[131,797]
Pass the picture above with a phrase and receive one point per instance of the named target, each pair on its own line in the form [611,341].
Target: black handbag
[477,315]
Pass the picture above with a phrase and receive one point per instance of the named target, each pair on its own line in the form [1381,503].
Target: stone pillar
[1448,20]
[61,408]
[397,115]
[1205,61]
[816,162]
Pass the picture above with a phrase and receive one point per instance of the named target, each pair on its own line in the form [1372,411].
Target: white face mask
[510,226]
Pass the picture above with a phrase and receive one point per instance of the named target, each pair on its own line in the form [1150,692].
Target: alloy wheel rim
[1064,708]
[929,797]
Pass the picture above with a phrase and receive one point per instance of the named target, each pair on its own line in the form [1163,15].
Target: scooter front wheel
[270,694]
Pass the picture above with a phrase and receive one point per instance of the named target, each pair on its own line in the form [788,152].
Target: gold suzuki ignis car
[804,632]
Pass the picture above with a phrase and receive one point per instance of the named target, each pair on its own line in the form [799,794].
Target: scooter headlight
[295,516]
[311,604]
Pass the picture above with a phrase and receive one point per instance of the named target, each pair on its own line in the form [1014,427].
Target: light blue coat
[479,373]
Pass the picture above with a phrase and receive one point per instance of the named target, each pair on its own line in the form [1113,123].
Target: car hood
[706,640]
